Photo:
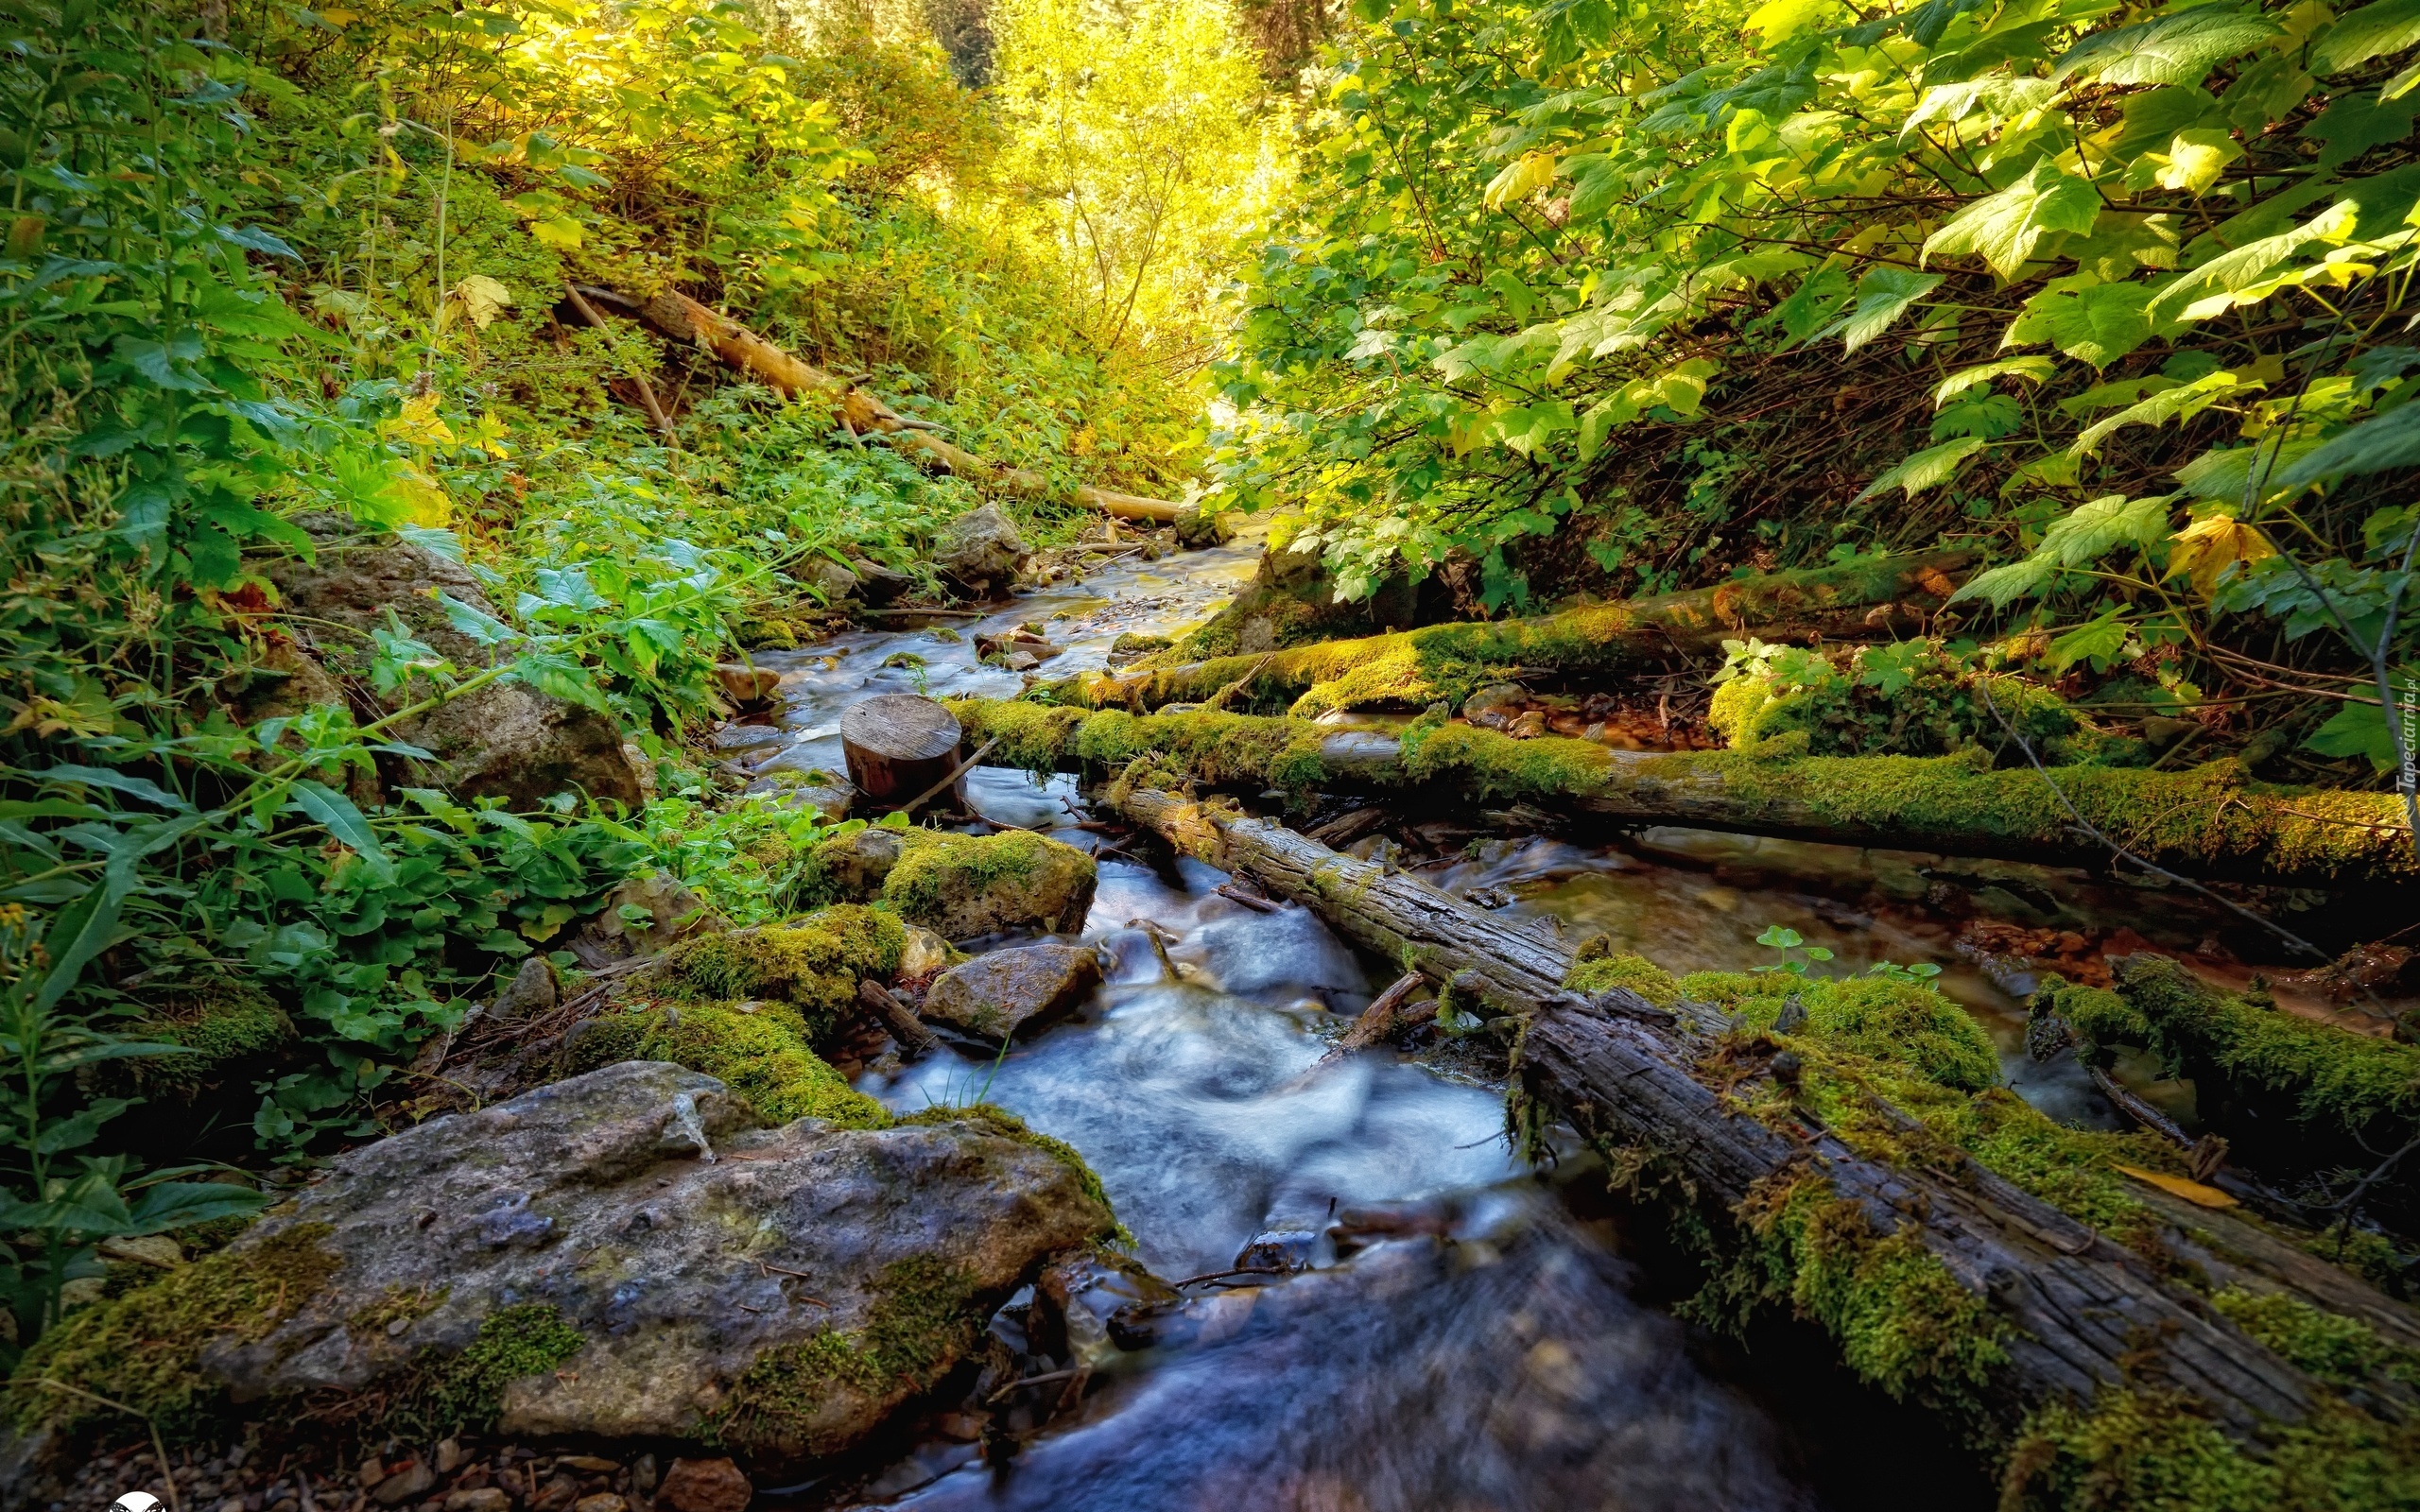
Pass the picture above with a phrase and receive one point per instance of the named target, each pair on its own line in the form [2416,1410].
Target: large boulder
[959,885]
[505,740]
[981,551]
[1012,992]
[624,1255]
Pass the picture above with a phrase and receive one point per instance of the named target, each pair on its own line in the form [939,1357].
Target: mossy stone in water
[959,885]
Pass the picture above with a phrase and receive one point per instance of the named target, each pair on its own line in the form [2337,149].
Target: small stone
[485,1499]
[746,684]
[534,991]
[1011,992]
[642,1476]
[412,1481]
[704,1486]
[925,956]
[601,1502]
[373,1470]
[588,1464]
[561,1490]
[450,1455]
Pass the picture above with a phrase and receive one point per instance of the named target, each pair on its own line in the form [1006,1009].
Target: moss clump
[2343,1351]
[1885,1021]
[2146,1448]
[1911,699]
[144,1348]
[466,1390]
[999,1121]
[960,885]
[811,963]
[765,1055]
[218,1020]
[924,1319]
[2319,1073]
[1600,973]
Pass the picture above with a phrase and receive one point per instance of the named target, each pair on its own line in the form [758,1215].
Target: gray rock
[674,913]
[859,865]
[837,583]
[505,740]
[1012,992]
[534,991]
[748,737]
[1200,528]
[982,550]
[877,584]
[680,1273]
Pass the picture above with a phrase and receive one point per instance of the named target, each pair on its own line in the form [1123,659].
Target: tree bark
[899,746]
[1408,668]
[2212,821]
[682,319]
[2080,1313]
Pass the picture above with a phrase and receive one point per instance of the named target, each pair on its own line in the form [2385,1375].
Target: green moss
[2146,1448]
[2327,1076]
[466,1390]
[812,963]
[1909,698]
[995,1119]
[1885,1021]
[924,1319]
[962,884]
[218,1020]
[765,1057]
[1591,975]
[144,1348]
[2343,1351]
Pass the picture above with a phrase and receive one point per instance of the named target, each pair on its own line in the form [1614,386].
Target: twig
[1235,894]
[1240,1270]
[655,414]
[1221,696]
[962,769]
[1983,686]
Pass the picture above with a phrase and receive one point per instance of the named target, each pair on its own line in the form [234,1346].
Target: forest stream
[1443,1328]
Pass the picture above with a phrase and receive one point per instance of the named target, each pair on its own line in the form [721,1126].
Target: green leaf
[2222,475]
[2102,640]
[2373,31]
[180,1204]
[2091,531]
[2033,370]
[336,811]
[2353,123]
[2181,403]
[2178,48]
[1883,295]
[1928,469]
[2095,323]
[2360,730]
[2004,585]
[141,787]
[2388,441]
[2003,229]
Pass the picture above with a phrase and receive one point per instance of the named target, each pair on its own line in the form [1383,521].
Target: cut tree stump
[898,746]
[2077,1314]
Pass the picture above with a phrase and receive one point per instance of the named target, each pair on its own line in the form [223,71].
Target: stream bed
[1444,1329]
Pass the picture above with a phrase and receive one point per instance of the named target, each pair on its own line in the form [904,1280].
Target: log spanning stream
[1443,1328]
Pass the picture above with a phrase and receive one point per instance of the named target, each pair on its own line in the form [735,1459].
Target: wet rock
[413,1480]
[877,584]
[601,1502]
[837,583]
[749,737]
[1201,528]
[645,916]
[1495,706]
[1012,992]
[477,1499]
[744,685]
[981,551]
[533,991]
[960,885]
[654,1294]
[927,955]
[1132,647]
[857,865]
[704,1486]
[505,740]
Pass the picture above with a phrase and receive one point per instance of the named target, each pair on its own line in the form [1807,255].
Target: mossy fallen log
[1413,668]
[2211,822]
[1960,1248]
[682,319]
[2297,1099]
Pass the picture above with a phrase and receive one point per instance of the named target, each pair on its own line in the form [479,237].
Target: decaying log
[899,746]
[2077,1312]
[654,407]
[2212,821]
[682,319]
[1409,668]
[903,1026]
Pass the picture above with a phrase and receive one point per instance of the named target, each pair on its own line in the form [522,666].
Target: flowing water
[1463,1337]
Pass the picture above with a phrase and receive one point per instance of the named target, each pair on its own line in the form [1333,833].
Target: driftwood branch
[682,319]
[654,407]
[2079,1313]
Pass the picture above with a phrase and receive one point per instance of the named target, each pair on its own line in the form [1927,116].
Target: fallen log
[2211,822]
[1412,668]
[682,319]
[1941,1278]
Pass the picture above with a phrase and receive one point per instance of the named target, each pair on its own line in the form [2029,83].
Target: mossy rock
[220,1022]
[959,885]
[811,963]
[762,1051]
